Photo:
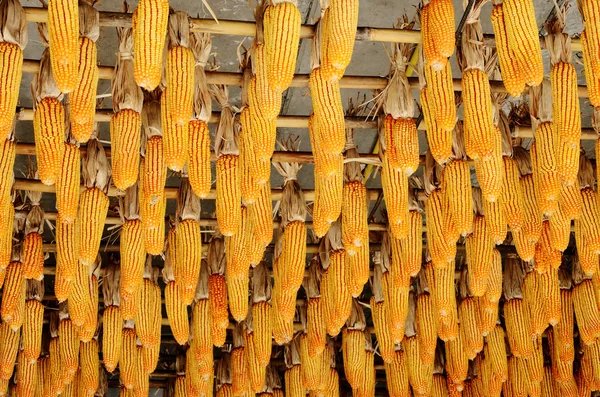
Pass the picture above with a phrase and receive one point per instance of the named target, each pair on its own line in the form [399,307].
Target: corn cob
[441,91]
[512,195]
[335,293]
[281,36]
[457,363]
[494,285]
[436,211]
[329,114]
[456,185]
[237,292]
[48,127]
[80,297]
[312,369]
[560,230]
[201,328]
[180,78]
[43,376]
[249,187]
[146,321]
[293,382]
[33,256]
[589,220]
[495,350]
[177,313]
[419,374]
[154,171]
[340,35]
[199,158]
[125,127]
[328,201]
[11,66]
[315,328]
[283,329]
[68,346]
[567,119]
[149,358]
[589,12]
[490,176]
[32,330]
[263,329]
[469,333]
[149,21]
[267,100]
[392,142]
[445,302]
[380,322]
[26,376]
[7,161]
[228,194]
[90,223]
[405,131]
[256,370]
[67,183]
[128,365]
[545,167]
[13,297]
[63,28]
[532,225]
[354,215]
[8,350]
[82,99]
[132,258]
[479,128]
[479,249]
[513,76]
[517,325]
[239,371]
[175,135]
[354,356]
[262,134]
[188,257]
[217,297]
[588,319]
[534,292]
[592,77]
[546,257]
[571,201]
[111,337]
[426,328]
[553,297]
[90,365]
[396,372]
[438,139]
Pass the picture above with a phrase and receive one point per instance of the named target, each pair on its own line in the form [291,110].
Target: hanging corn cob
[199,137]
[261,324]
[126,121]
[588,319]
[256,371]
[420,376]
[437,31]
[133,253]
[84,299]
[174,302]
[379,311]
[112,317]
[68,346]
[26,375]
[316,330]
[468,314]
[249,164]
[33,321]
[353,347]
[82,99]
[228,178]
[68,180]
[312,369]
[441,281]
[479,247]
[56,365]
[237,279]
[535,289]
[513,75]
[282,23]
[33,254]
[217,288]
[89,377]
[128,366]
[438,103]
[43,376]
[367,387]
[562,367]
[14,291]
[293,373]
[8,350]
[93,202]
[283,328]
[150,20]
[48,117]
[425,319]
[396,296]
[63,33]
[188,255]
[586,225]
[340,19]
[148,321]
[240,382]
[396,373]
[512,194]
[457,363]
[437,214]
[546,257]
[13,40]
[515,310]
[7,162]
[565,100]
[201,334]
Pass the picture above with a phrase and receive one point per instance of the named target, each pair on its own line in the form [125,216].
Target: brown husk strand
[261,284]
[201,44]
[111,280]
[13,25]
[96,171]
[293,205]
[513,278]
[126,94]
[43,84]
[226,136]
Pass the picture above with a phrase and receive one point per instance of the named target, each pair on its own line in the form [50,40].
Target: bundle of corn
[261,324]
[13,40]
[590,44]
[529,234]
[153,175]
[82,99]
[316,329]
[89,377]
[8,350]
[468,313]
[353,346]
[481,138]
[128,366]
[587,225]
[199,137]
[112,320]
[48,116]
[329,182]
[565,99]
[457,363]
[217,288]
[335,294]
[148,319]
[589,367]
[150,20]
[396,372]
[68,346]
[420,375]
[479,247]
[515,309]
[12,307]
[425,319]
[33,321]
[229,194]
[63,34]
[93,202]
[26,376]
[546,257]
[188,247]
[379,311]
[133,253]
[293,373]
[177,312]
[588,318]
[126,121]
[240,382]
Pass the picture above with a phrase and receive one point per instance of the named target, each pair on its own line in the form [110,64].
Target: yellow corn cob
[263,132]
[479,128]
[315,328]
[256,371]
[11,66]
[192,377]
[249,187]
[239,371]
[425,316]
[380,322]
[201,328]
[67,183]
[43,377]
[145,320]
[441,91]
[355,228]
[513,195]
[68,346]
[495,351]
[149,358]
[82,100]
[150,21]
[125,127]
[496,222]
[154,235]
[49,130]
[571,201]
[283,328]
[552,297]
[217,297]
[487,315]
[13,296]
[111,337]
[180,84]
[441,18]
[189,256]
[128,366]
[517,376]
[175,135]
[132,258]
[517,326]
[154,170]
[534,293]
[532,225]
[341,33]
[588,318]
[457,363]
[311,368]
[405,131]
[293,382]
[281,35]
[177,313]
[56,368]
[90,365]
[358,268]
[397,308]
[395,190]
[63,29]
[335,294]
[80,296]
[432,54]
[512,73]
[592,77]
[469,333]
[294,254]
[479,249]
[93,205]
[589,220]
[494,285]
[32,330]
[419,374]
[456,185]
[546,257]
[490,176]
[199,158]
[87,330]
[261,217]
[7,162]
[546,167]
[329,113]
[590,12]
[33,256]
[26,375]
[565,107]
[8,350]
[263,329]
[436,212]
[445,302]
[396,372]
[560,230]
[228,194]
[354,356]
[438,139]
[237,292]
[392,143]
[328,202]
[267,99]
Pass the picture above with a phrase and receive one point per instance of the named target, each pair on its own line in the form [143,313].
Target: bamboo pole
[244,28]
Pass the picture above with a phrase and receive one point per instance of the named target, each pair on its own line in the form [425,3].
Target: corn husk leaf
[586,172]
[43,84]
[188,203]
[13,24]
[201,45]
[293,205]
[202,286]
[558,42]
[223,370]
[34,290]
[513,277]
[312,283]
[226,137]
[216,254]
[357,320]
[261,283]
[95,167]
[111,280]
[410,328]
[292,352]
[126,94]
[178,33]
[331,242]
[89,22]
